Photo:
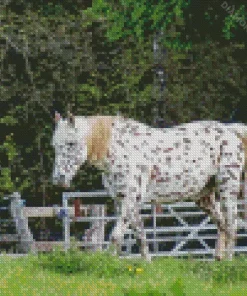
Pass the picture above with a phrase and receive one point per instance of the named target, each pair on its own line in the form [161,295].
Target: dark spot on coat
[167,150]
[186,140]
[177,145]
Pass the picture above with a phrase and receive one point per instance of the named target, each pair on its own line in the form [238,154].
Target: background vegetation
[99,57]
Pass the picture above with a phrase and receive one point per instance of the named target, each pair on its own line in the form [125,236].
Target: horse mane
[99,138]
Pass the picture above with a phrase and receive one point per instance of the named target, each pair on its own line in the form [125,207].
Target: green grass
[101,274]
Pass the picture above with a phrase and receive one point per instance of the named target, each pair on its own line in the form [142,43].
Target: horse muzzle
[60,180]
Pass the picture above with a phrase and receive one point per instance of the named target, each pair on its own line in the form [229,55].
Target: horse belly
[181,180]
[187,188]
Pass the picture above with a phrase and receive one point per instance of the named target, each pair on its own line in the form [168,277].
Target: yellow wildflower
[139,270]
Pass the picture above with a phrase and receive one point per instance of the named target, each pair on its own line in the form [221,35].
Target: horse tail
[240,130]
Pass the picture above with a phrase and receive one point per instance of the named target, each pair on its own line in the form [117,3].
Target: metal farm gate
[181,229]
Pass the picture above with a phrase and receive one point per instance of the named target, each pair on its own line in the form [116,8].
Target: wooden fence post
[21,223]
[98,227]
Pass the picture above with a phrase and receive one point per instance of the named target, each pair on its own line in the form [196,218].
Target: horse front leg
[125,209]
[220,244]
[130,216]
[231,227]
[130,211]
[118,235]
[138,227]
[142,242]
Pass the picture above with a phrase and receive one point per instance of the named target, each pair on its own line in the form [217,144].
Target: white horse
[143,164]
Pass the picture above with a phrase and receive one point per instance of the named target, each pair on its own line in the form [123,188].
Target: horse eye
[71,144]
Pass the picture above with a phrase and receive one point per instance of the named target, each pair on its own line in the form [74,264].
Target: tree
[178,24]
[41,57]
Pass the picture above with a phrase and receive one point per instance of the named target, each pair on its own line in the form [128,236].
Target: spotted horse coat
[143,164]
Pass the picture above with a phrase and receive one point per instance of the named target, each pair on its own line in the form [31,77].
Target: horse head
[69,142]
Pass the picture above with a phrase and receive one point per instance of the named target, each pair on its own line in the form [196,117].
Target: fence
[180,230]
[8,234]
[96,233]
[21,222]
[22,237]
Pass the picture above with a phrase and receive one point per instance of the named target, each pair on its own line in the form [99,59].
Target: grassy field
[101,274]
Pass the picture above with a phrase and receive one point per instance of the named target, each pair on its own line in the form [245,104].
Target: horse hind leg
[225,216]
[221,243]
[138,227]
[212,208]
[229,183]
[230,209]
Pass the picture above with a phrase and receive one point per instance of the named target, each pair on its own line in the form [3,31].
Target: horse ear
[57,117]
[71,119]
